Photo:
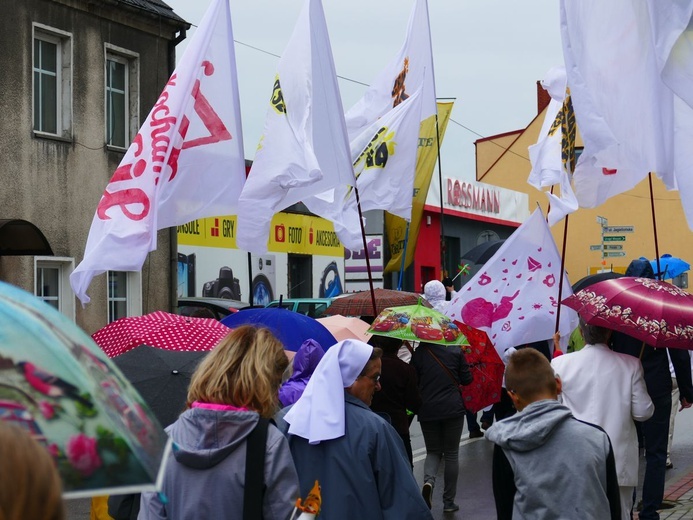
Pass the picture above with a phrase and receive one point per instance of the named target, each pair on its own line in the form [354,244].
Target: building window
[116,102]
[52,275]
[124,295]
[121,96]
[52,82]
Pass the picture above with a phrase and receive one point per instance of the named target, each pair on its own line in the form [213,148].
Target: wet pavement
[474,493]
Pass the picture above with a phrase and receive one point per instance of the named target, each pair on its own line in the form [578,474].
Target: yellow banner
[289,233]
[396,227]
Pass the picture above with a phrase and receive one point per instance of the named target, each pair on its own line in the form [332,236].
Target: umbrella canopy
[342,327]
[56,384]
[161,330]
[656,312]
[290,327]
[670,266]
[594,278]
[486,367]
[483,252]
[360,304]
[417,323]
[161,377]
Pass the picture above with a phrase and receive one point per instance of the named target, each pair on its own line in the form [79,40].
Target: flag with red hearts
[514,297]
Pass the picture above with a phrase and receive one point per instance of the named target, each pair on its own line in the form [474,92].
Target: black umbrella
[161,377]
[594,278]
[483,252]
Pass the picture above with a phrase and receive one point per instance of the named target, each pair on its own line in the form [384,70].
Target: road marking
[419,458]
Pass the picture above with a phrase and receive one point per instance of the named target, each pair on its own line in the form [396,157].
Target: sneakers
[451,508]
[476,434]
[426,493]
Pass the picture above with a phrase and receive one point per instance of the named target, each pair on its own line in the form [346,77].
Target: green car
[313,307]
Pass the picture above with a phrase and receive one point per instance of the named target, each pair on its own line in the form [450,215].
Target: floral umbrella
[417,323]
[656,312]
[59,386]
[486,367]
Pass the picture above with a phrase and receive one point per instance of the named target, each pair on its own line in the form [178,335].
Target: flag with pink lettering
[514,297]
[186,161]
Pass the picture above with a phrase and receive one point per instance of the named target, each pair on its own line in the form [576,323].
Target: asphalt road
[474,494]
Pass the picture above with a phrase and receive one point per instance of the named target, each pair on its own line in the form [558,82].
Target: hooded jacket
[205,471]
[549,465]
[434,292]
[306,359]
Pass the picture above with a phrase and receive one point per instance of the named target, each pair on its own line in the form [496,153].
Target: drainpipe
[172,232]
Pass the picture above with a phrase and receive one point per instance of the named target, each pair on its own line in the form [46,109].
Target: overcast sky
[488,54]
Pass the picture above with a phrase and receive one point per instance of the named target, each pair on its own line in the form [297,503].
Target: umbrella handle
[642,351]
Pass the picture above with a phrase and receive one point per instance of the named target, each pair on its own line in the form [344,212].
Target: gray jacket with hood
[549,465]
[205,471]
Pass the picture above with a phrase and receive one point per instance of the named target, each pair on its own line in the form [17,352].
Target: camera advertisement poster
[305,259]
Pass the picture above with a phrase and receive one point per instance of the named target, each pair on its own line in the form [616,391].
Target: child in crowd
[546,463]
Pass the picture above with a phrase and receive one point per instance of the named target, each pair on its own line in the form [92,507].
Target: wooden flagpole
[365,252]
[654,226]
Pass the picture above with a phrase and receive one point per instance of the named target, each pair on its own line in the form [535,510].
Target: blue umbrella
[290,327]
[670,266]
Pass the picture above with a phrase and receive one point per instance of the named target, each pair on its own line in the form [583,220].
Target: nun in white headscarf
[356,456]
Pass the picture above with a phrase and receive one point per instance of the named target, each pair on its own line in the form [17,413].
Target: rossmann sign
[472,196]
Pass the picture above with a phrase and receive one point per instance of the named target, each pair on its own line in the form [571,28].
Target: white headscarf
[319,413]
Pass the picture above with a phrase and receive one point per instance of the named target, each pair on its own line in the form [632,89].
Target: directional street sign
[601,221]
[620,238]
[618,229]
[598,247]
[614,253]
[613,247]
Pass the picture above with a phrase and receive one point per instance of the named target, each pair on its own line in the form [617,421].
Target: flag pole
[404,258]
[560,282]
[365,252]
[442,214]
[654,226]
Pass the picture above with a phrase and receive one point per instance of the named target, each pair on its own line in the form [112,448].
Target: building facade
[607,237]
[79,77]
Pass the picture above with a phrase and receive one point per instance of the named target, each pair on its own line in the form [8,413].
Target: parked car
[216,308]
[313,307]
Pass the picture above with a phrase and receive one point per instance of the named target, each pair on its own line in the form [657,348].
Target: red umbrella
[161,330]
[486,367]
[656,312]
[360,304]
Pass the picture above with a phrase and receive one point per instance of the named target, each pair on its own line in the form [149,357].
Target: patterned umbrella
[359,304]
[161,330]
[417,323]
[486,366]
[656,312]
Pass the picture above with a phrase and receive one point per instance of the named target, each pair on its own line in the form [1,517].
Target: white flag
[186,161]
[304,150]
[514,297]
[553,155]
[410,69]
[626,113]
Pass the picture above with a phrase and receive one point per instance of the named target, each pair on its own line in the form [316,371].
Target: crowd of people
[259,432]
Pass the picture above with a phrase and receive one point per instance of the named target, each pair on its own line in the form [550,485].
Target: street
[474,493]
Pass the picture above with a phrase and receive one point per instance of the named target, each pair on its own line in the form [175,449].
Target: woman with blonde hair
[31,486]
[232,396]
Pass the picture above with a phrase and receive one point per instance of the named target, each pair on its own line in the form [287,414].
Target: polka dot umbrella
[160,330]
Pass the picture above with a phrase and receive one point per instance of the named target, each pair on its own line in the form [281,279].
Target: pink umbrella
[656,312]
[161,330]
[343,327]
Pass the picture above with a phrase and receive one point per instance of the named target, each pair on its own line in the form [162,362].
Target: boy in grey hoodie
[546,463]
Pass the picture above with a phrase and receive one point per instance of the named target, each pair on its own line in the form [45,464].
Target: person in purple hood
[306,359]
